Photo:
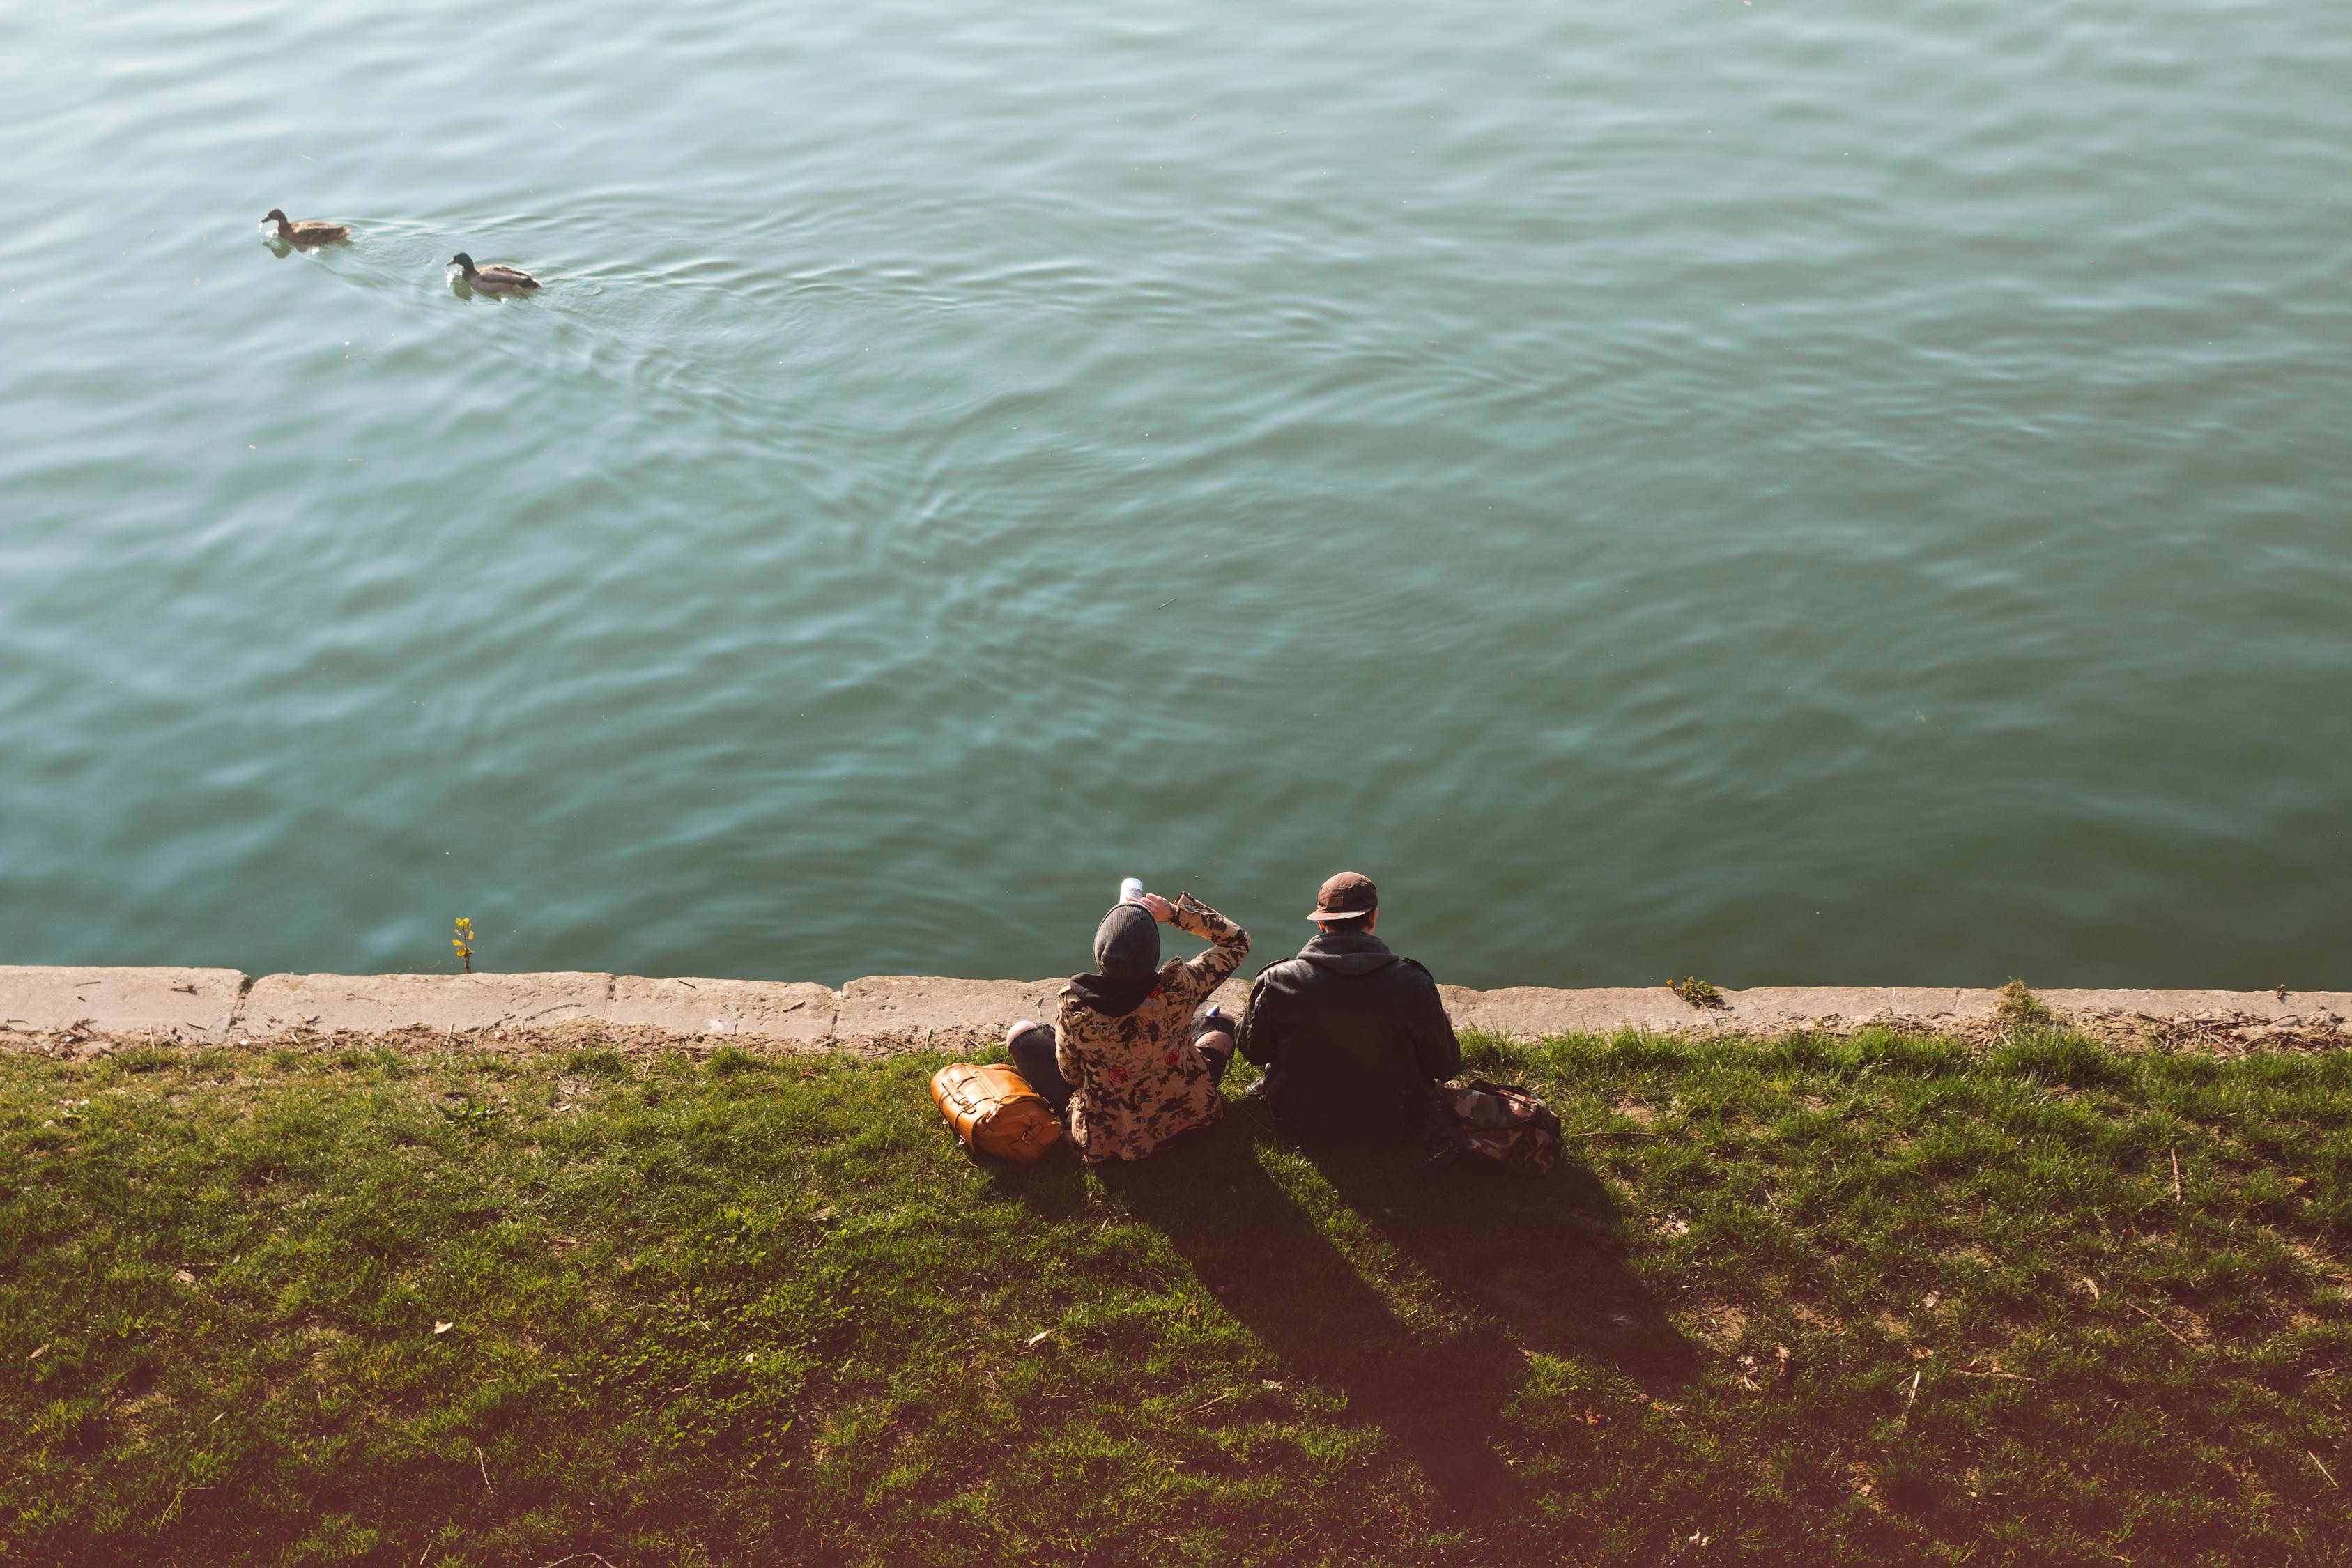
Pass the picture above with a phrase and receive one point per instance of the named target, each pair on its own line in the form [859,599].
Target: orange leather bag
[994,1109]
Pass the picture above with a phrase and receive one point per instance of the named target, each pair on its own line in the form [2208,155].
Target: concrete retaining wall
[221,1006]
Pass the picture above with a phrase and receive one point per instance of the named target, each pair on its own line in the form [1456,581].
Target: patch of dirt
[1640,1112]
[1720,1323]
[1812,1318]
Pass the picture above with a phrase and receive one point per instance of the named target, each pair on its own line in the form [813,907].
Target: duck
[493,278]
[309,231]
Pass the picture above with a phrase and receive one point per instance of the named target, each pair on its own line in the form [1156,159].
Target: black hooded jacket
[1351,1035]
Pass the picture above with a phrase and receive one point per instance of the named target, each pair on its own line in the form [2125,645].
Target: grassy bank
[357,1306]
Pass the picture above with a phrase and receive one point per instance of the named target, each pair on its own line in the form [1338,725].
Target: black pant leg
[1033,1057]
[1216,1020]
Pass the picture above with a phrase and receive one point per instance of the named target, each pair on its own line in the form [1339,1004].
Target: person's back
[1352,1034]
[1127,1063]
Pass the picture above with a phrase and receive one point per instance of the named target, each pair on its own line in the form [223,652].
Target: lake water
[1791,493]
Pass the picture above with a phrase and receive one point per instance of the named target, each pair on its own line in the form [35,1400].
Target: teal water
[1823,493]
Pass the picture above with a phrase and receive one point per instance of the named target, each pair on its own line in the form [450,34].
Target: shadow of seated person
[1542,1256]
[1436,1392]
[1352,1036]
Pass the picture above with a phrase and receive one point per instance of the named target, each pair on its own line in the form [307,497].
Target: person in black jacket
[1351,1035]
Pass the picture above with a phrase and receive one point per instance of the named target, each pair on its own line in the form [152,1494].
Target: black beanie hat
[1127,944]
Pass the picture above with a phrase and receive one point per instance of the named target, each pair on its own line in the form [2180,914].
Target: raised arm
[1229,944]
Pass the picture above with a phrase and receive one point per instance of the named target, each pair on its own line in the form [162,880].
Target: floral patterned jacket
[1140,1081]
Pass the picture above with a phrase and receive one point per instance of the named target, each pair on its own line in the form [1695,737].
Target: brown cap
[1350,895]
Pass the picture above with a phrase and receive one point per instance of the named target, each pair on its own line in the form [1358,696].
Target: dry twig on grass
[2160,1324]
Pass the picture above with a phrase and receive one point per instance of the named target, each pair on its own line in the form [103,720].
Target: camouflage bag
[1509,1126]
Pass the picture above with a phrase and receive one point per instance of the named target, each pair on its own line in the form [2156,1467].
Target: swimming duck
[493,278]
[309,231]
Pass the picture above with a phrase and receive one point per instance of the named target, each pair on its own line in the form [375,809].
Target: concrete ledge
[757,1009]
[903,1005]
[66,1006]
[322,1004]
[181,1003]
[2193,1007]
[1531,1011]
[1526,1011]
[281,1005]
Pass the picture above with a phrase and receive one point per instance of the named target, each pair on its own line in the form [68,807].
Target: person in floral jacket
[1125,1062]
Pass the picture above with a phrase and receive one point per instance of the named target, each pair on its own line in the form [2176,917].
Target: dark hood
[1127,949]
[1347,952]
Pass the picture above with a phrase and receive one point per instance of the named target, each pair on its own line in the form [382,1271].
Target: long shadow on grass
[1537,1259]
[1546,1255]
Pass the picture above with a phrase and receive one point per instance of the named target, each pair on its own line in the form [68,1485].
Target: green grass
[749,1309]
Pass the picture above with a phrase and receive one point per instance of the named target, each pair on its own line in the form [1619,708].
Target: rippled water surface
[1792,493]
